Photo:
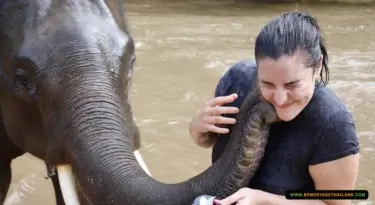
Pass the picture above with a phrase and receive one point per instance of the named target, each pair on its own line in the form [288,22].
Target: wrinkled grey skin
[65,69]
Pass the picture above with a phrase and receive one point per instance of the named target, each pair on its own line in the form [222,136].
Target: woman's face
[287,83]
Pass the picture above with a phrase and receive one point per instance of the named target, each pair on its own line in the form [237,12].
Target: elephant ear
[117,8]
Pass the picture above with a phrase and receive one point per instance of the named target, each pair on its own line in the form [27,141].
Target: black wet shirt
[322,132]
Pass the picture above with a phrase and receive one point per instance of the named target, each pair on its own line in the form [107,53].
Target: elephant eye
[20,81]
[23,81]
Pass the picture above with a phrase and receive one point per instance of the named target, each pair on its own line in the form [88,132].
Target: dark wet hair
[292,32]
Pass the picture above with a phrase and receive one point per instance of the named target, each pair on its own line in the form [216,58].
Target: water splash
[22,190]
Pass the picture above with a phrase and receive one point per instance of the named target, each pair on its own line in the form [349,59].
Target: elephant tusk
[141,162]
[67,184]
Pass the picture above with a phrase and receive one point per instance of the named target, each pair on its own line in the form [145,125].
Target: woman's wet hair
[290,33]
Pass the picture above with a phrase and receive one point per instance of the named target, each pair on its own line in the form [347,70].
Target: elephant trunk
[99,145]
[101,152]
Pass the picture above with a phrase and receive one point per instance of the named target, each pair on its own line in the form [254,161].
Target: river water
[183,48]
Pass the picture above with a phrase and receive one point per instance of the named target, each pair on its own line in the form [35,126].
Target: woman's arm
[340,174]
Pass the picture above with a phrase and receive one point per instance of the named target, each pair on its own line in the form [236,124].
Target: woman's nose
[280,97]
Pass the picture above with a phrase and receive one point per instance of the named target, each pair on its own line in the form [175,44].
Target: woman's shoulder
[326,108]
[332,119]
[237,79]
[242,69]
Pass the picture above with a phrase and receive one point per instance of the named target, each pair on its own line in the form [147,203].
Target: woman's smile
[285,105]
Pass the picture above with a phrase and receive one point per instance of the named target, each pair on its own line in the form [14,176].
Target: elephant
[65,73]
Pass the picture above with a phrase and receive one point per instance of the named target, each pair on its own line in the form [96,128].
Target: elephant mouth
[67,183]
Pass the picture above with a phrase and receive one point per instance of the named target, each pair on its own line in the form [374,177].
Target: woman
[315,146]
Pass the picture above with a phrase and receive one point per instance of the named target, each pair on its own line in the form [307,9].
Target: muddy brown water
[182,50]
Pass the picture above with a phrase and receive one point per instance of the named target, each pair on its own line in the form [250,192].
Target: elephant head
[66,67]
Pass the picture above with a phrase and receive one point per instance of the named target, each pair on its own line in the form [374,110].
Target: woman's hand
[244,196]
[207,118]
